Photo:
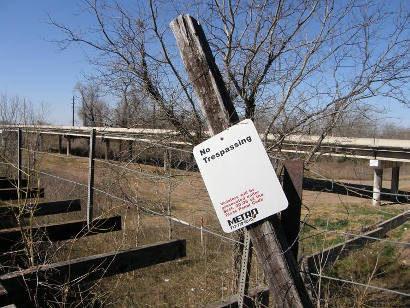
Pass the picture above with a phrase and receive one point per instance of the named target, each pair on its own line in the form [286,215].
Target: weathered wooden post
[290,218]
[268,238]
[90,194]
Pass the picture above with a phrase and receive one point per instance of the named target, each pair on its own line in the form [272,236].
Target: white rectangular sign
[239,177]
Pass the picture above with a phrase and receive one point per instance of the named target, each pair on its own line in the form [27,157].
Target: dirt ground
[205,274]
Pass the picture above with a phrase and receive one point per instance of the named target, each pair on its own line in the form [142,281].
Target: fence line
[357,283]
[175,219]
[346,186]
[358,235]
[351,188]
[172,177]
[52,154]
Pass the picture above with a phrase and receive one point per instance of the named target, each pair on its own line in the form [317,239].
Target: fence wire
[137,183]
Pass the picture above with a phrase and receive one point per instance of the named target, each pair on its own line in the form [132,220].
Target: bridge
[381,153]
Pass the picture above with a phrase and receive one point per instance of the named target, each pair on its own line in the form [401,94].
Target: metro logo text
[243,219]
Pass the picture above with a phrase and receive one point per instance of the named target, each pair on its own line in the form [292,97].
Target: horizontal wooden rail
[257,297]
[19,284]
[11,183]
[4,297]
[59,232]
[11,193]
[355,190]
[8,213]
[44,208]
[327,257]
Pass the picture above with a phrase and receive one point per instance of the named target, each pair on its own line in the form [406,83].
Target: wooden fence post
[292,186]
[268,238]
[90,195]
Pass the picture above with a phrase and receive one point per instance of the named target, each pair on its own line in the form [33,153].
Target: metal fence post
[90,195]
[245,269]
[19,159]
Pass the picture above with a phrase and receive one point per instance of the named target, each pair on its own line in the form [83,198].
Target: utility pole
[73,109]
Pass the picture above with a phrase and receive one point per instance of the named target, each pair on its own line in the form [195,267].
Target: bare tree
[93,111]
[293,66]
[19,110]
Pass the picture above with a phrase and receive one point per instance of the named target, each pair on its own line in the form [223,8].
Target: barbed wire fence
[160,195]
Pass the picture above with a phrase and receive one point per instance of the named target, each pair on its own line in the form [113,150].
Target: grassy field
[205,275]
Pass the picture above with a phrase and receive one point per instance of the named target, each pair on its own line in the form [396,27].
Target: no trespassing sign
[239,177]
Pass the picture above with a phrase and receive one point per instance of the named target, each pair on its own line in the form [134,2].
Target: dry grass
[205,275]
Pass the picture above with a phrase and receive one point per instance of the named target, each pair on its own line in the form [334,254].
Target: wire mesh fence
[157,190]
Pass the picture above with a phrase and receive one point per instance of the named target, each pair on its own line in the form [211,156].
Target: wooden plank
[11,183]
[394,222]
[60,232]
[7,221]
[13,260]
[45,208]
[257,297]
[319,261]
[4,297]
[327,257]
[11,193]
[278,263]
[350,189]
[8,218]
[18,284]
[290,218]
